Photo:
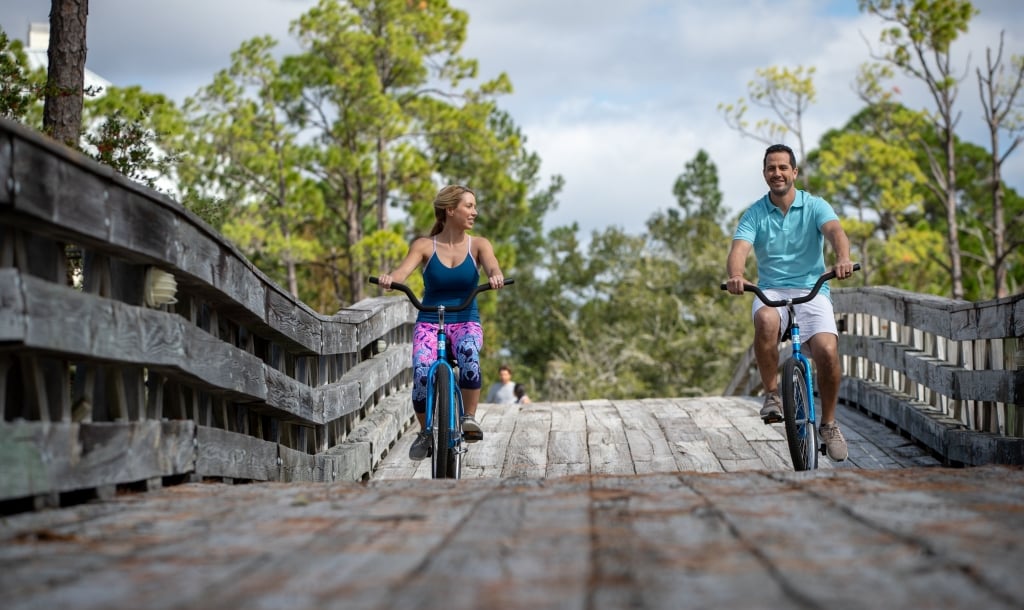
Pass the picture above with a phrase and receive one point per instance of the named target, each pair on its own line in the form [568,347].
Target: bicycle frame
[801,419]
[441,366]
[797,353]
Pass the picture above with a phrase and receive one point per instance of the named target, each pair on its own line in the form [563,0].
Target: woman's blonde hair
[447,198]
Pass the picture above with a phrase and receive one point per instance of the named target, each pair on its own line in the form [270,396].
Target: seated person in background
[503,391]
[520,393]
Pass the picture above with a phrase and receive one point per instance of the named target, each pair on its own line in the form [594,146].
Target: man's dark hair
[777,148]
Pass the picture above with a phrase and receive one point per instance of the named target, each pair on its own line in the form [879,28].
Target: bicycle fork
[806,367]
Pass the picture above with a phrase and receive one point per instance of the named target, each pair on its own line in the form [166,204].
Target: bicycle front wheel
[456,451]
[800,432]
[442,421]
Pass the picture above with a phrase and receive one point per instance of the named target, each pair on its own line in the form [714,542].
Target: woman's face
[464,213]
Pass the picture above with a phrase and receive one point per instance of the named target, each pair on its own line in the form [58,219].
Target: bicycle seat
[786,332]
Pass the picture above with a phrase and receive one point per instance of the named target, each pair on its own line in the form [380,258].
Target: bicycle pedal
[771,419]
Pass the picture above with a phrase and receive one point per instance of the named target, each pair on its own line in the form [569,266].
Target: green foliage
[20,87]
[631,316]
[786,94]
[302,159]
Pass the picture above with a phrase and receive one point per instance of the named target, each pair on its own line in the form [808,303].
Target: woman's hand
[496,281]
[384,281]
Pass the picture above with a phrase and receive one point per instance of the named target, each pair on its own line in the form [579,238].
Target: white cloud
[614,96]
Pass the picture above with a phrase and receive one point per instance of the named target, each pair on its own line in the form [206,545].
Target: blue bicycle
[444,399]
[797,392]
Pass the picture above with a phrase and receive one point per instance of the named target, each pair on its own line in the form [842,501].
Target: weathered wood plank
[527,454]
[606,439]
[382,426]
[12,307]
[487,458]
[938,375]
[567,447]
[648,447]
[39,458]
[908,538]
[237,456]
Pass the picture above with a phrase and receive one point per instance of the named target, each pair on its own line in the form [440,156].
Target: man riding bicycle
[786,229]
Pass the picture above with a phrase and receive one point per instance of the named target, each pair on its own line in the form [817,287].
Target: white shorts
[815,316]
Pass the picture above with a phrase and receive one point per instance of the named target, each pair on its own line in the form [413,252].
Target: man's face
[505,376]
[779,173]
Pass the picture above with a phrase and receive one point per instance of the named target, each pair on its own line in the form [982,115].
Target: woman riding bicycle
[786,229]
[450,258]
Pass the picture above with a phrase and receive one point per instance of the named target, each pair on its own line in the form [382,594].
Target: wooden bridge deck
[707,434]
[539,529]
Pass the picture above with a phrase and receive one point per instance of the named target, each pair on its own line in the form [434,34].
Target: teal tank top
[449,286]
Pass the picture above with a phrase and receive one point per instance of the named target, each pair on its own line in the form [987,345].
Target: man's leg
[824,349]
[766,350]
[766,347]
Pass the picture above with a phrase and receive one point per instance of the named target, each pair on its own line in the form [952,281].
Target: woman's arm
[419,251]
[485,255]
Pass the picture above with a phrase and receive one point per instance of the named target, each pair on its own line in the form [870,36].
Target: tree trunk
[382,188]
[952,224]
[65,81]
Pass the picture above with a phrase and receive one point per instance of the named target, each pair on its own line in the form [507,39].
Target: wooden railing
[948,374]
[236,379]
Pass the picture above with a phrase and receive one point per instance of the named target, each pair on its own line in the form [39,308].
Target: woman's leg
[467,339]
[424,352]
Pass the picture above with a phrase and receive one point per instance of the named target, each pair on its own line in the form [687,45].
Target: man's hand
[843,269]
[735,284]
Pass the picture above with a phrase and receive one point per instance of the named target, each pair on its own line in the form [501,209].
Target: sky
[615,96]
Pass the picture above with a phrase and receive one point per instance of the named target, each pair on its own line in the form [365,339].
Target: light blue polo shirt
[789,248]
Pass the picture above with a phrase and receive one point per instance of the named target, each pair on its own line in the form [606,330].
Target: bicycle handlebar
[419,305]
[795,301]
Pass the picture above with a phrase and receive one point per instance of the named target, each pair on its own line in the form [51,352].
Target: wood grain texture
[920,537]
[718,434]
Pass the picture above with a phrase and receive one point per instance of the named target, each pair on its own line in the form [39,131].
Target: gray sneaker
[835,444]
[422,446]
[771,412]
[471,431]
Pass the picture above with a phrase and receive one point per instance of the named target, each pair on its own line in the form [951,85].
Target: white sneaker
[835,444]
[771,412]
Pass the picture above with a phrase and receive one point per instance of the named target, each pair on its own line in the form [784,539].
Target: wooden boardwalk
[529,532]
[708,434]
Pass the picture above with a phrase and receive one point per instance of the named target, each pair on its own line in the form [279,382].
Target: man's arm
[834,233]
[736,263]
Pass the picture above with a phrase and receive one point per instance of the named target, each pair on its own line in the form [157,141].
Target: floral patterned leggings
[466,339]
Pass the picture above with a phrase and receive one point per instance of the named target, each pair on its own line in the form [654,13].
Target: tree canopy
[321,166]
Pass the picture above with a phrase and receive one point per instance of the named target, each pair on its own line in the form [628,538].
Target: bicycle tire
[442,417]
[455,453]
[801,435]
